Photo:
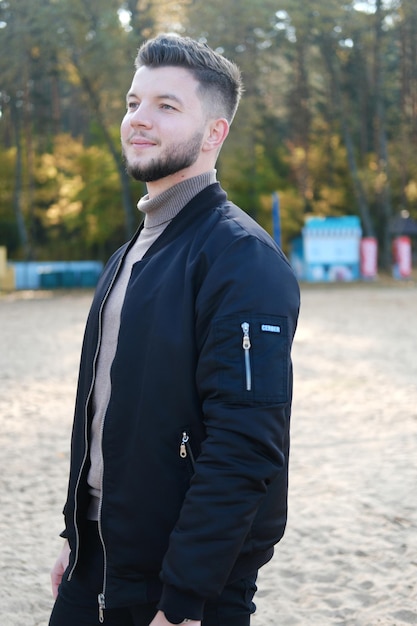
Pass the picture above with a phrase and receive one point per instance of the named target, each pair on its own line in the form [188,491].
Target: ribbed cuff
[177,602]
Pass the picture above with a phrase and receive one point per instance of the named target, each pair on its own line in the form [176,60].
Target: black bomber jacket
[196,434]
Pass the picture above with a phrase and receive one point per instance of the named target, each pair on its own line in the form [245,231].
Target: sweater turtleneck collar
[166,205]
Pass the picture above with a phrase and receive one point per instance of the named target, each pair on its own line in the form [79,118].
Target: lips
[142,142]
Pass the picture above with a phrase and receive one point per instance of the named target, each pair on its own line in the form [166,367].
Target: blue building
[328,249]
[55,274]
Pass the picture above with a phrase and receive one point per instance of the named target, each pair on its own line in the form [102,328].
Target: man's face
[164,127]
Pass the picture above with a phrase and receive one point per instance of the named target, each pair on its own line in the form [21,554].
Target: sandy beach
[349,556]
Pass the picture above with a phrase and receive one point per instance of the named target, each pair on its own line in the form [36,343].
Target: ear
[216,133]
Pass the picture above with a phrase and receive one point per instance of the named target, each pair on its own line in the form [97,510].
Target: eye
[167,107]
[132,105]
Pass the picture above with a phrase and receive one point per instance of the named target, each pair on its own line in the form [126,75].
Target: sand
[349,556]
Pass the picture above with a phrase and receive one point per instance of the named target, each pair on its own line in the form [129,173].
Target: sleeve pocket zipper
[246,350]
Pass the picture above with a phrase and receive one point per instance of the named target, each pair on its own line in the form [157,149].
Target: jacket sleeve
[246,315]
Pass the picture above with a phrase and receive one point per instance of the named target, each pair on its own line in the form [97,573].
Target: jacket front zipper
[246,350]
[101,596]
[101,607]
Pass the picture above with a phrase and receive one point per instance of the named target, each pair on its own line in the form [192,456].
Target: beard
[170,162]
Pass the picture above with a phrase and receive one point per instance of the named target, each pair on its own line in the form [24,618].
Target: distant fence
[55,274]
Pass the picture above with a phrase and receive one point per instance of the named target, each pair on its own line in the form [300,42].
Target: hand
[59,568]
[160,620]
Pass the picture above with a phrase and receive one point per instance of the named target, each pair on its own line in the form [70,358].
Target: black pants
[77,604]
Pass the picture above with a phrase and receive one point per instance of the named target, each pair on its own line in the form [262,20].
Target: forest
[328,118]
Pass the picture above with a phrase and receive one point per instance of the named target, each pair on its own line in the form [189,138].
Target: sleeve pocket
[252,357]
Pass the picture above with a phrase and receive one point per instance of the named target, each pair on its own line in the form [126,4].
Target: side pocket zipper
[246,349]
[185,448]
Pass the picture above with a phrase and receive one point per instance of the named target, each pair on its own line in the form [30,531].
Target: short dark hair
[220,82]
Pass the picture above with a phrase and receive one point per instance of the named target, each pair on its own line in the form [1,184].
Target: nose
[140,117]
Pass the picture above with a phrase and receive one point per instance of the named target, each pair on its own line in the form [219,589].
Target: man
[178,482]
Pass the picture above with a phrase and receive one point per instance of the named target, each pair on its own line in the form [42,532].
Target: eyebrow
[163,96]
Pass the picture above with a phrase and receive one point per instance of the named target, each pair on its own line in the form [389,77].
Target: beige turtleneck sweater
[159,211]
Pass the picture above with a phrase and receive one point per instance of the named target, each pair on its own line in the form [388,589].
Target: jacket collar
[207,200]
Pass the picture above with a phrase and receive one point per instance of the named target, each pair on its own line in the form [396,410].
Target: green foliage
[83,215]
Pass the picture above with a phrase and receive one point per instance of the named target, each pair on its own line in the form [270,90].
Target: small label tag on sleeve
[269,328]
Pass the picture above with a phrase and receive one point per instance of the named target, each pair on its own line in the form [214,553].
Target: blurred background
[328,120]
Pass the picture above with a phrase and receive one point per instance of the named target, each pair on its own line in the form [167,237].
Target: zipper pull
[101,607]
[246,347]
[246,338]
[183,446]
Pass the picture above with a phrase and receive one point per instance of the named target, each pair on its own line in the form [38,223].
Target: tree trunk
[18,188]
[301,119]
[30,182]
[383,183]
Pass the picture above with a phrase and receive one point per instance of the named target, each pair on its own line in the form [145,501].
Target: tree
[407,39]
[92,33]
[20,38]
[328,41]
[244,32]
